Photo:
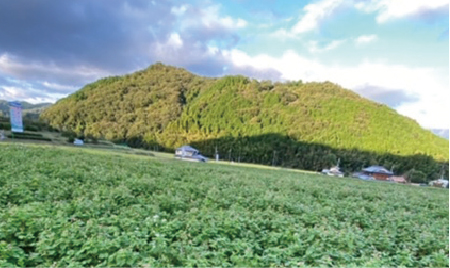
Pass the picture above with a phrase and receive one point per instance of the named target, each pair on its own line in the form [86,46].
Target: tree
[416,176]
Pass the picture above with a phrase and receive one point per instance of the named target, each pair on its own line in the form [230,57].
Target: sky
[394,52]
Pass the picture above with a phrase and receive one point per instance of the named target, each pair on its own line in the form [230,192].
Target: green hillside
[295,124]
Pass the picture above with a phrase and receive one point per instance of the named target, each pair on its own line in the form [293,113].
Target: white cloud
[175,41]
[364,39]
[208,17]
[10,93]
[284,34]
[211,18]
[179,11]
[241,23]
[213,50]
[390,9]
[59,87]
[314,48]
[430,86]
[314,14]
[29,94]
[229,22]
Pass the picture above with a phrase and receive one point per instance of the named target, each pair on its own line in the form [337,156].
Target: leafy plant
[65,207]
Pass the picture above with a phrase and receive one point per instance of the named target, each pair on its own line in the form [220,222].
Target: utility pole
[392,168]
[273,159]
[230,155]
[217,155]
[239,156]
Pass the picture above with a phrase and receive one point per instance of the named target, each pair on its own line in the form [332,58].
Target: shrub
[27,135]
[67,134]
[33,128]
[16,136]
[416,176]
[5,126]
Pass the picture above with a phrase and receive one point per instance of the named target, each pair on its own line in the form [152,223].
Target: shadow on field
[280,150]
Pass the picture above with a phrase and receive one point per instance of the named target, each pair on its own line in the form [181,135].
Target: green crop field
[73,207]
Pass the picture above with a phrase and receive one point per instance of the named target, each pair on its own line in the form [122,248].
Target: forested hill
[168,107]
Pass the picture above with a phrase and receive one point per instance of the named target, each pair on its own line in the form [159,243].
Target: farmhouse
[378,173]
[188,153]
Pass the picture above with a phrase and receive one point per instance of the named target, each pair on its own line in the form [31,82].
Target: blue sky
[392,52]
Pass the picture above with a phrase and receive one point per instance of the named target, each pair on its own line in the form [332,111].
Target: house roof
[187,148]
[378,169]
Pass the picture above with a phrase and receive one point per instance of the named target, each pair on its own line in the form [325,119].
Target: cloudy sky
[391,51]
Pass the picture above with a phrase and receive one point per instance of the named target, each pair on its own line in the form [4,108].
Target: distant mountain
[29,110]
[441,133]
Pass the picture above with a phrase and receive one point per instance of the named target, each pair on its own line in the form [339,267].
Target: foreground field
[61,207]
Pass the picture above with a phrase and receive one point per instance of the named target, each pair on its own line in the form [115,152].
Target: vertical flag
[15,115]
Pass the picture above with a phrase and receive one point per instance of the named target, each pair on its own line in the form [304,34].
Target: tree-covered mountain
[29,110]
[313,123]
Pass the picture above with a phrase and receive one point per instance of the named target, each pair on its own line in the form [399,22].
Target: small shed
[334,171]
[378,173]
[78,142]
[439,183]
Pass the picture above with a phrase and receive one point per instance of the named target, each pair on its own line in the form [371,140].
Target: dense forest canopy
[310,125]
